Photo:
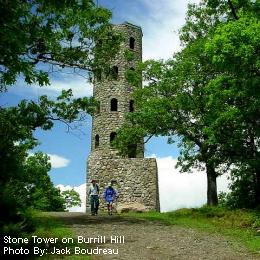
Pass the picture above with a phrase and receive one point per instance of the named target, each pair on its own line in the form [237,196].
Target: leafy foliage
[31,189]
[25,182]
[37,38]
[59,33]
[72,198]
[234,95]
[243,189]
[208,95]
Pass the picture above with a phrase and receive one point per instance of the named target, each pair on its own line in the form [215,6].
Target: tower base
[136,178]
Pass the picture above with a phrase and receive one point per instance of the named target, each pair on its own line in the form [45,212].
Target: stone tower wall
[106,89]
[137,180]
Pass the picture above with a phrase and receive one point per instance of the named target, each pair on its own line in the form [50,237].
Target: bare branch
[146,141]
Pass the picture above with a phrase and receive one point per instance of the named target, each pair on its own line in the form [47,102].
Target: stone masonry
[136,176]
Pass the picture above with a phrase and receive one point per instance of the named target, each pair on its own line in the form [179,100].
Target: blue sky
[160,21]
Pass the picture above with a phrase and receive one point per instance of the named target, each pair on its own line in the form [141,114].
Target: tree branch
[148,139]
[233,10]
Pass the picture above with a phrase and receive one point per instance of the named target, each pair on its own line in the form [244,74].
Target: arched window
[98,74]
[132,150]
[132,43]
[114,72]
[131,106]
[96,141]
[113,104]
[112,137]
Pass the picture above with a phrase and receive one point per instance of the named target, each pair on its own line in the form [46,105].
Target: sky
[160,22]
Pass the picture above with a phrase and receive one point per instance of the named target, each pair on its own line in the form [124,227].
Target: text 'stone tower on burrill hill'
[136,176]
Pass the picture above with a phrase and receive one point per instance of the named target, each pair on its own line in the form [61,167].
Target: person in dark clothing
[93,194]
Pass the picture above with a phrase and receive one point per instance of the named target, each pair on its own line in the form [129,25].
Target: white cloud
[176,190]
[81,189]
[79,85]
[58,161]
[161,27]
[183,190]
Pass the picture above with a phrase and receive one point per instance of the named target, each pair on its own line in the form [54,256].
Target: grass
[49,227]
[241,225]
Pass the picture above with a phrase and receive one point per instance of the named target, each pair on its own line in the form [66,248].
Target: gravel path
[152,241]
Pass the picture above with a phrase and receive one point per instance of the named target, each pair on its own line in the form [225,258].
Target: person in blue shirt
[110,196]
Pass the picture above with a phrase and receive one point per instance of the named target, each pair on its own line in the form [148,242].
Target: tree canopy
[72,198]
[207,94]
[38,38]
[54,33]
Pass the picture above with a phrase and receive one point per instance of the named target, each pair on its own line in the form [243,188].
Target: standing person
[93,193]
[110,195]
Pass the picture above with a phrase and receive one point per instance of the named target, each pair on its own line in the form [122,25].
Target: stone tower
[136,176]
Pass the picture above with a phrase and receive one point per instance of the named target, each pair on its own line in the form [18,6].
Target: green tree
[174,104]
[17,126]
[34,188]
[234,53]
[56,33]
[72,198]
[37,38]
[207,94]
[30,189]
[41,193]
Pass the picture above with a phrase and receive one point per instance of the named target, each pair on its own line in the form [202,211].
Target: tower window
[114,104]
[114,72]
[132,43]
[131,106]
[98,75]
[96,141]
[112,137]
[132,150]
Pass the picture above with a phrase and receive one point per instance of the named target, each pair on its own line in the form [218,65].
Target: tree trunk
[255,165]
[257,188]
[212,196]
[233,10]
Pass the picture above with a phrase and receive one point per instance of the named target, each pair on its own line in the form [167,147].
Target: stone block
[131,207]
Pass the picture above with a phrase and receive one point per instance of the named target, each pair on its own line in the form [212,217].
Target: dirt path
[152,241]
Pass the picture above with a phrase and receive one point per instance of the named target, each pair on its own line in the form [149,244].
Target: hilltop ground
[151,240]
